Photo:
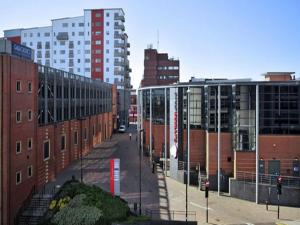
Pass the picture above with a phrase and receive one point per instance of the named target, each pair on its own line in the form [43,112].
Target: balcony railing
[119,26]
[119,36]
[119,17]
[119,54]
[119,63]
[119,44]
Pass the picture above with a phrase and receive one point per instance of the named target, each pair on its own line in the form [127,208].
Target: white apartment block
[93,45]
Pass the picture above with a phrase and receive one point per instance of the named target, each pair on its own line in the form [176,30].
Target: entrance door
[274,167]
[261,167]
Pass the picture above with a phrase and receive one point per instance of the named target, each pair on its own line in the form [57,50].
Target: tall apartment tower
[159,69]
[93,45]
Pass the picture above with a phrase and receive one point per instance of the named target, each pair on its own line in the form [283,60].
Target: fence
[268,179]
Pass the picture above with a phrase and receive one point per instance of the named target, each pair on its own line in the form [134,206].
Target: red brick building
[47,118]
[133,107]
[257,118]
[159,69]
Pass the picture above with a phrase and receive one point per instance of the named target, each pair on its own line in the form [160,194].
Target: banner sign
[21,51]
[115,177]
[173,123]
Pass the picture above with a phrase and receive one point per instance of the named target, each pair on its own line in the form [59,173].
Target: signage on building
[173,123]
[115,177]
[21,51]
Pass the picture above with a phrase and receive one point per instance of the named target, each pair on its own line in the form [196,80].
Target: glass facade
[279,109]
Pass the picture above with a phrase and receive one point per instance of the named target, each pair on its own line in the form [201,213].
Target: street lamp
[81,172]
[188,154]
[140,169]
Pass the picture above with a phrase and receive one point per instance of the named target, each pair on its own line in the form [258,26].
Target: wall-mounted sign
[115,176]
[21,51]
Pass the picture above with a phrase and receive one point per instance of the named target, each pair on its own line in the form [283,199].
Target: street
[164,195]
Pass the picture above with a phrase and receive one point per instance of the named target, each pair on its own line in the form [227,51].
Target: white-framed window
[98,51]
[29,171]
[18,86]
[18,116]
[18,147]
[46,149]
[97,60]
[97,33]
[98,42]
[29,143]
[29,86]
[75,138]
[98,14]
[29,112]
[98,69]
[18,177]
[63,142]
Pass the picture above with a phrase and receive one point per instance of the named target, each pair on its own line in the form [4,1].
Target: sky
[212,38]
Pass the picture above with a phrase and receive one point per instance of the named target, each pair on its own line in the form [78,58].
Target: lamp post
[81,139]
[140,169]
[188,154]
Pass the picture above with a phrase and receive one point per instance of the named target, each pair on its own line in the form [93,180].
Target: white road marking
[199,206]
[249,224]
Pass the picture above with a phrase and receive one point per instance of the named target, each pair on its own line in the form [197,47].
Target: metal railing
[170,214]
[268,179]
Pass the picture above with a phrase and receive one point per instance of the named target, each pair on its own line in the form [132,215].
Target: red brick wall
[226,151]
[13,195]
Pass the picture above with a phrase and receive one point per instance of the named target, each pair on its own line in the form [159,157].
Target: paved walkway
[163,193]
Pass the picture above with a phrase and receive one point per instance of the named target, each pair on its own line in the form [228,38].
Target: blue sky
[212,38]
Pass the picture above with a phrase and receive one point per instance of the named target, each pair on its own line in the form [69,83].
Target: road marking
[249,223]
[199,206]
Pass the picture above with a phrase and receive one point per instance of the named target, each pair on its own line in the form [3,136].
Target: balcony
[119,36]
[128,52]
[119,27]
[119,72]
[119,44]
[119,63]
[119,17]
[62,36]
[128,45]
[119,54]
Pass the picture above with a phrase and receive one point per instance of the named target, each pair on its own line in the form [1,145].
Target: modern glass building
[236,127]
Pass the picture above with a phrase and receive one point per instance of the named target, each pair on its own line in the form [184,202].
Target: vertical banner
[173,133]
[115,177]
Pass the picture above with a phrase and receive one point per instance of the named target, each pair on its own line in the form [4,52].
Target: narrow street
[164,194]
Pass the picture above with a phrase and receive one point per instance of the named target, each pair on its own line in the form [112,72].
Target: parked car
[122,129]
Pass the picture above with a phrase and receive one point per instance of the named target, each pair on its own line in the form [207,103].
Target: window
[78,70]
[54,52]
[87,70]
[31,34]
[107,80]
[107,69]
[81,33]
[87,60]
[30,43]
[54,42]
[25,34]
[18,116]
[18,147]
[29,87]
[62,61]
[107,14]
[107,32]
[87,42]
[46,150]
[73,34]
[71,70]
[62,52]
[18,177]
[87,52]
[38,34]
[65,25]
[107,60]
[29,143]
[62,43]
[107,23]
[98,42]
[93,130]
[75,138]
[73,24]
[78,42]
[107,42]
[98,51]
[98,14]
[18,86]
[47,34]
[29,115]
[80,24]
[29,171]
[97,60]
[98,69]
[63,143]
[78,60]
[107,50]
[97,33]
[98,24]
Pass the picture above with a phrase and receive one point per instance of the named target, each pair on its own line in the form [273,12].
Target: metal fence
[268,179]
